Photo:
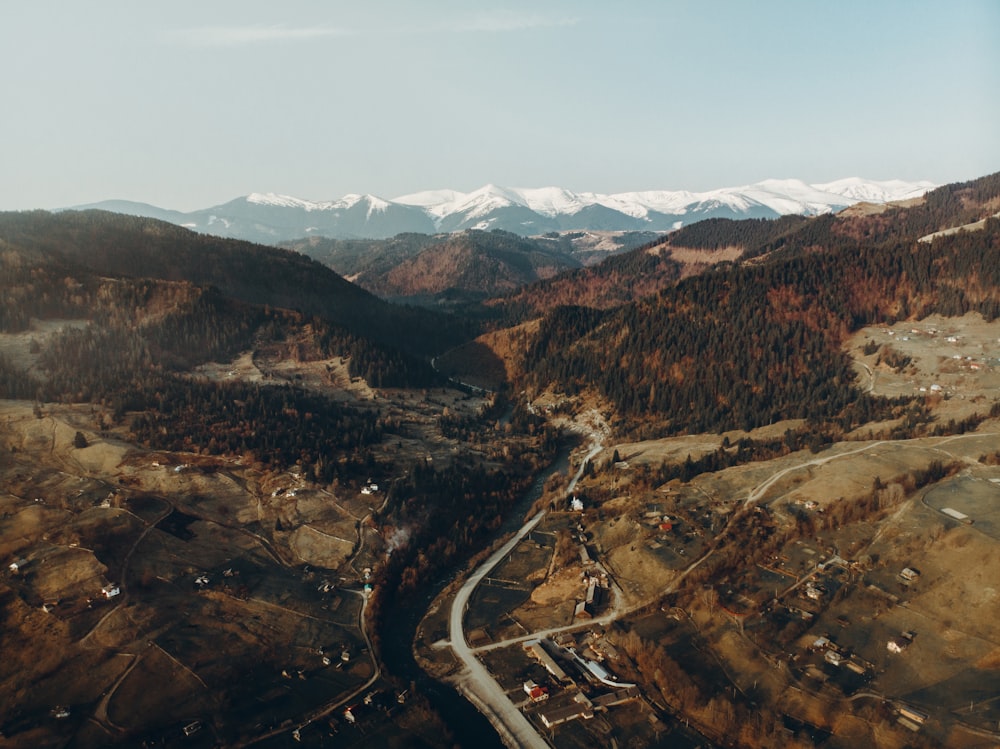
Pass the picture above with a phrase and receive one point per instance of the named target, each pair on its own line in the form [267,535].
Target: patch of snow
[429,198]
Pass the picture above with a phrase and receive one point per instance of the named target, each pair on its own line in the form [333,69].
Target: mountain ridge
[272,217]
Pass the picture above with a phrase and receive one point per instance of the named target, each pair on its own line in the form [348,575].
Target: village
[855,614]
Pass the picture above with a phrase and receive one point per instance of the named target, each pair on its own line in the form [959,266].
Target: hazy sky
[190,104]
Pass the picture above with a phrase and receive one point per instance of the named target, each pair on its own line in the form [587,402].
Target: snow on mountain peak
[873,191]
[494,206]
[280,201]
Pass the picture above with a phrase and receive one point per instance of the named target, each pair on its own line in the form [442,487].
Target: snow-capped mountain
[267,217]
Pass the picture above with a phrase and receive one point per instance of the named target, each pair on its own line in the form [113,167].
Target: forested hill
[747,344]
[617,280]
[482,263]
[117,245]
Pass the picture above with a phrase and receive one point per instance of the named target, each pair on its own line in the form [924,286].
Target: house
[111,590]
[821,643]
[814,592]
[582,708]
[565,714]
[576,504]
[617,697]
[607,649]
[899,643]
[833,658]
[856,667]
[535,692]
[909,574]
[18,565]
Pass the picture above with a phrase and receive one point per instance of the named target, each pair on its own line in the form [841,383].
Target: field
[144,591]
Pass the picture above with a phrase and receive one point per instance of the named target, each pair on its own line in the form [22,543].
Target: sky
[186,105]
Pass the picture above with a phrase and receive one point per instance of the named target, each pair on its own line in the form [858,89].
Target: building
[617,697]
[535,649]
[821,643]
[535,692]
[581,708]
[899,643]
[606,649]
[953,513]
[912,714]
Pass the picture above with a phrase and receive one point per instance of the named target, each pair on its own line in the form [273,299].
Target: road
[475,681]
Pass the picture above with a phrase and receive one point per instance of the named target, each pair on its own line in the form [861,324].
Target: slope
[745,345]
[111,244]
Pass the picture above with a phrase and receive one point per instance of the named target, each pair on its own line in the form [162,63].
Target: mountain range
[270,218]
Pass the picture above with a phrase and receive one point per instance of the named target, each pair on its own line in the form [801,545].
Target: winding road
[475,681]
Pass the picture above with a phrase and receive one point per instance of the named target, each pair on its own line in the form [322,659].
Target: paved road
[475,681]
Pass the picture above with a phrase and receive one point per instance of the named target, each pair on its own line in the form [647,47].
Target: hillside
[111,244]
[230,480]
[746,344]
[471,264]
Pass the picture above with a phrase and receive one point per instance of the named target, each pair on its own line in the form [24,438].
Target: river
[468,726]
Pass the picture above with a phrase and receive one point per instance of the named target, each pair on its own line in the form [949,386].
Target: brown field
[283,558]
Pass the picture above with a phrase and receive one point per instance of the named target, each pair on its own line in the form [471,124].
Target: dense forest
[109,244]
[745,345]
[749,234]
[614,281]
[129,344]
[478,262]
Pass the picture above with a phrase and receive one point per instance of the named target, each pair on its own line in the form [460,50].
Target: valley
[673,564]
[137,569]
[733,487]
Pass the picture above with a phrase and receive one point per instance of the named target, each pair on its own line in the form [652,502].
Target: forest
[142,337]
[671,363]
[107,244]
